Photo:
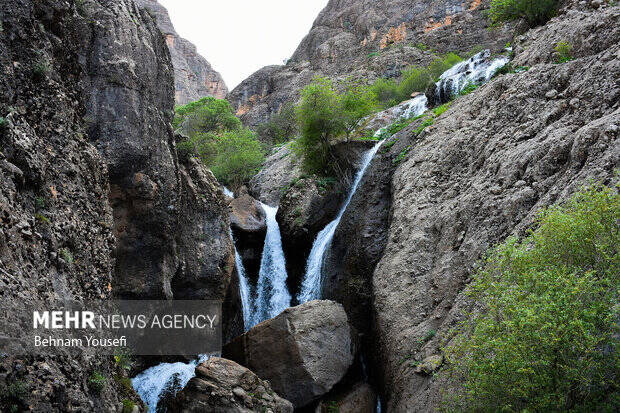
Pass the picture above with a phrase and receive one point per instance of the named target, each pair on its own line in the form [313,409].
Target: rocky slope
[194,77]
[93,200]
[367,39]
[522,142]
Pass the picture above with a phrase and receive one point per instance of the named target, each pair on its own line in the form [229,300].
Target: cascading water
[311,286]
[272,295]
[153,383]
[477,70]
[244,288]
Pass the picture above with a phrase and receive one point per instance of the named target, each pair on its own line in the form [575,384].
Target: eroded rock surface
[303,352]
[194,77]
[249,227]
[479,174]
[366,40]
[224,386]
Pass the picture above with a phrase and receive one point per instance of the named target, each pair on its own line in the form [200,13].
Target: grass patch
[563,52]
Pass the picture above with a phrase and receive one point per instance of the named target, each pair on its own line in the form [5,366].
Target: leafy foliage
[546,337]
[217,138]
[414,79]
[324,115]
[239,156]
[564,52]
[535,12]
[13,396]
[280,128]
[97,382]
[206,115]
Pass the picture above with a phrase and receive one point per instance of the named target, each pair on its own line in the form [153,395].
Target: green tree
[546,337]
[357,101]
[320,122]
[281,127]
[206,115]
[535,12]
[238,157]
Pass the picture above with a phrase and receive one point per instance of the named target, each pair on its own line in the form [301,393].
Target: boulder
[249,227]
[224,386]
[303,352]
[360,398]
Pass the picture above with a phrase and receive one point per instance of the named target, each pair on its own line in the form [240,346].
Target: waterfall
[228,192]
[272,295]
[244,287]
[311,286]
[153,383]
[478,69]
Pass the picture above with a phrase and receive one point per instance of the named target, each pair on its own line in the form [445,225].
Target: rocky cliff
[367,39]
[93,201]
[193,75]
[479,174]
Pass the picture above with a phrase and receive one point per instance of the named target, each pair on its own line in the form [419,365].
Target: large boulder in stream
[303,352]
[224,386]
[249,227]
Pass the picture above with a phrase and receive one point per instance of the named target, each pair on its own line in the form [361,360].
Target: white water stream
[272,295]
[311,285]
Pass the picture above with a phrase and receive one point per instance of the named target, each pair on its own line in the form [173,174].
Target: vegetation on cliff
[535,12]
[547,336]
[324,114]
[215,135]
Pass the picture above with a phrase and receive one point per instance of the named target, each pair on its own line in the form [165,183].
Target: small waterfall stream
[272,295]
[311,286]
[477,70]
[154,382]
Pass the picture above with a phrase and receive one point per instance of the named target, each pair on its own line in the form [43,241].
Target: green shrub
[67,256]
[442,64]
[128,406]
[535,12]
[468,89]
[3,122]
[413,79]
[324,115]
[280,128]
[546,337]
[96,382]
[386,91]
[564,52]
[13,397]
[319,123]
[41,68]
[237,157]
[441,109]
[123,360]
[357,101]
[124,384]
[206,115]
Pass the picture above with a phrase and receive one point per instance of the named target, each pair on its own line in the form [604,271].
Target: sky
[238,37]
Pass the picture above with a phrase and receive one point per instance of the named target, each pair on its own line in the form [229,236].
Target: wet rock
[249,227]
[281,168]
[360,398]
[224,386]
[303,352]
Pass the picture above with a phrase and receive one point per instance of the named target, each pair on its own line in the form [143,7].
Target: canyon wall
[94,203]
[366,39]
[194,78]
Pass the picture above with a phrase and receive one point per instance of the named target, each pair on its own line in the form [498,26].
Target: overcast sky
[238,37]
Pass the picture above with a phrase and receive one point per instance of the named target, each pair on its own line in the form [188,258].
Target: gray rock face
[129,84]
[303,352]
[479,174]
[360,398]
[224,386]
[366,40]
[194,77]
[56,222]
[280,169]
[249,227]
